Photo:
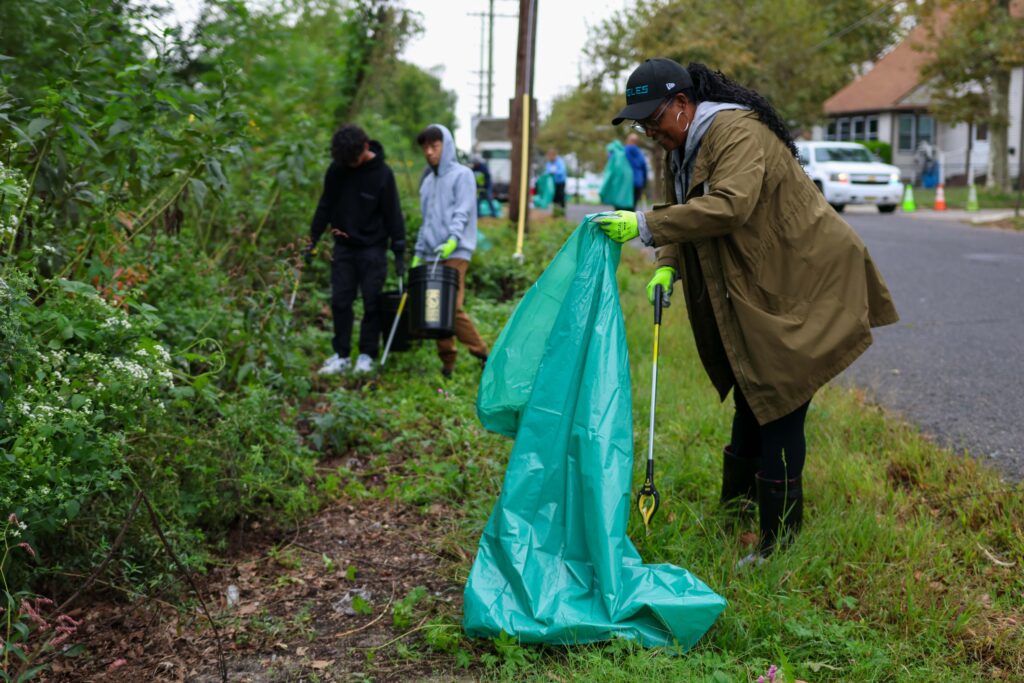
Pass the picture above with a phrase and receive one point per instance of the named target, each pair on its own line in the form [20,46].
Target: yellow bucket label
[432,312]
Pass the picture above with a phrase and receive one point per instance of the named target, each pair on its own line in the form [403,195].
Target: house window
[906,135]
[872,133]
[858,128]
[844,129]
[848,128]
[981,132]
[925,129]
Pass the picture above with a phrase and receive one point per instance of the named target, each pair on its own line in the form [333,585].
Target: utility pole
[490,60]
[521,116]
[1020,151]
[480,90]
[486,72]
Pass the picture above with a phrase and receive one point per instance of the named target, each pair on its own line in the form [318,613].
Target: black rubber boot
[781,507]
[739,490]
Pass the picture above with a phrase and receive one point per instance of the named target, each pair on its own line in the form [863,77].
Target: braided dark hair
[713,86]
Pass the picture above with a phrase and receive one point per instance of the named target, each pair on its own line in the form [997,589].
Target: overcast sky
[451,40]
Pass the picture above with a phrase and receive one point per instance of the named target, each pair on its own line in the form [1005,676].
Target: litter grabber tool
[397,317]
[648,500]
[295,289]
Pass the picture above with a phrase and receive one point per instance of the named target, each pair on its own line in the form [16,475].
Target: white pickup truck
[847,173]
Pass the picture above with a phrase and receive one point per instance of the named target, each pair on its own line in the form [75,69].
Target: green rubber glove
[446,249]
[663,276]
[620,226]
[417,261]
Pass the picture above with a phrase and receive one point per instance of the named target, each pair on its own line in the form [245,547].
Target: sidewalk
[958,215]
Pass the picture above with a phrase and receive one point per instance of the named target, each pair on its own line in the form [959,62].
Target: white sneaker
[335,365]
[364,364]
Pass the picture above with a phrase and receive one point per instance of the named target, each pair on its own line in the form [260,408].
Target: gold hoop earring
[683,131]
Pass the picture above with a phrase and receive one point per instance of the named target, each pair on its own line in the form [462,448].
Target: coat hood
[377,149]
[448,156]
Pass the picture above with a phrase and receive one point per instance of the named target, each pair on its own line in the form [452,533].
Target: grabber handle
[659,295]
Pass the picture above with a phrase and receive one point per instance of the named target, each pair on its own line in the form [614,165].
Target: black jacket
[361,205]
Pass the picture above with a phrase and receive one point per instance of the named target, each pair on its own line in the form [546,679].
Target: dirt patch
[313,604]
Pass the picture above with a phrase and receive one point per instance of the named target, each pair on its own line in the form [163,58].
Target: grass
[908,569]
[956,198]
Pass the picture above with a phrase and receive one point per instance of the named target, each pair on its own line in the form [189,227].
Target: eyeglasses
[642,126]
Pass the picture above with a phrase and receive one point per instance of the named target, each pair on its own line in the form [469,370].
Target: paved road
[954,364]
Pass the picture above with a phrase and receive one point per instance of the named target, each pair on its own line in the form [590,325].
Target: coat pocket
[794,345]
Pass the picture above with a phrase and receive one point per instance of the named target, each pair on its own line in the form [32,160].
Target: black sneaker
[480,357]
[447,372]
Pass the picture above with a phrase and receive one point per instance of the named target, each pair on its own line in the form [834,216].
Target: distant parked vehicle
[848,173]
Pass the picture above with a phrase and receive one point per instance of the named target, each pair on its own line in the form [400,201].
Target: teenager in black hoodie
[360,203]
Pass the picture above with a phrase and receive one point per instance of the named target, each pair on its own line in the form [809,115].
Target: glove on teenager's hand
[417,261]
[446,249]
[663,276]
[619,226]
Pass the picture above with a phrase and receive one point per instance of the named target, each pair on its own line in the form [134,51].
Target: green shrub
[883,150]
[94,404]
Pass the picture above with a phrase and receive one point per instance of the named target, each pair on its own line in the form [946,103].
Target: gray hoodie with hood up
[448,204]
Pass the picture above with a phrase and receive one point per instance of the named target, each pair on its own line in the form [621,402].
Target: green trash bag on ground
[545,191]
[554,563]
[617,179]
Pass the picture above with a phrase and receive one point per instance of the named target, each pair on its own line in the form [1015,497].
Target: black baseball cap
[649,84]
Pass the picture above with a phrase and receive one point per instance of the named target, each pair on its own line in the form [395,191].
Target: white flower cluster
[115,322]
[160,353]
[130,368]
[14,189]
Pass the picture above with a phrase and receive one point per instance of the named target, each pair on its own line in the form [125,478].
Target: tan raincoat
[780,290]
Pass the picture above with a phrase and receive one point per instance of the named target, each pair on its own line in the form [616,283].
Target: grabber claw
[648,500]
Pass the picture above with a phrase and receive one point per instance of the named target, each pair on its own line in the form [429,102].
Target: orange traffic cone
[940,199]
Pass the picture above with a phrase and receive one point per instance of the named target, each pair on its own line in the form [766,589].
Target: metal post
[490,60]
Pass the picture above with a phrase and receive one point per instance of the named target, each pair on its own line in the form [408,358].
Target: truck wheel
[838,207]
[817,184]
[886,208]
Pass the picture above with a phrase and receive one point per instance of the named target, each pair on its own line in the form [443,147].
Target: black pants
[637,193]
[559,199]
[780,445]
[364,269]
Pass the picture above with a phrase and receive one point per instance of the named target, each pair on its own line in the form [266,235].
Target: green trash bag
[545,191]
[617,179]
[554,563]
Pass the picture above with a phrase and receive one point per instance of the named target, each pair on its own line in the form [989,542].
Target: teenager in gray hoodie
[448,233]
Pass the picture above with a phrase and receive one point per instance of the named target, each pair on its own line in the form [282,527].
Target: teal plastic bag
[545,191]
[554,563]
[617,179]
[486,209]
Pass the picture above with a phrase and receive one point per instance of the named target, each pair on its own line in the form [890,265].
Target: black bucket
[387,307]
[432,293]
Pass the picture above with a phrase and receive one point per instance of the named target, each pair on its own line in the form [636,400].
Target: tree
[974,46]
[579,124]
[795,53]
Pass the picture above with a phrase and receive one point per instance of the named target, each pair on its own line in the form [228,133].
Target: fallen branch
[192,583]
[106,560]
[992,558]
[371,623]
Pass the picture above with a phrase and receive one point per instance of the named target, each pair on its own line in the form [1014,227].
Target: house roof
[884,87]
[890,83]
